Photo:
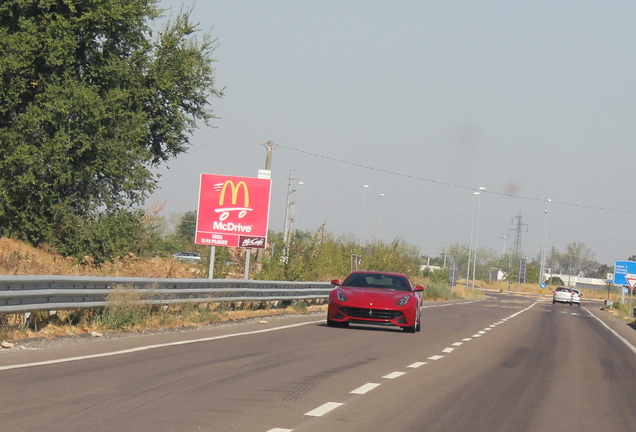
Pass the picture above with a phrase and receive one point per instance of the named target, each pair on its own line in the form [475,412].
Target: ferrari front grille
[376,314]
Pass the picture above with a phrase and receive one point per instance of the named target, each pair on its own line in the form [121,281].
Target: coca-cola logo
[252,242]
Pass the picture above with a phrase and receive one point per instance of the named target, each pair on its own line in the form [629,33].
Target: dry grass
[17,258]
[65,323]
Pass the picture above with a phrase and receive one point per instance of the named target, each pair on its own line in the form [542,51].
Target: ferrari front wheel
[331,323]
[410,329]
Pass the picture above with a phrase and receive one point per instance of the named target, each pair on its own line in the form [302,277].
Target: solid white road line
[150,347]
[622,339]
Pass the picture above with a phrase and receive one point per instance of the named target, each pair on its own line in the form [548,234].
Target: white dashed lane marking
[323,409]
[365,388]
[330,406]
[394,375]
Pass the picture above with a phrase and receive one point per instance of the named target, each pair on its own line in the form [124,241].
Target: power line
[443,183]
[439,182]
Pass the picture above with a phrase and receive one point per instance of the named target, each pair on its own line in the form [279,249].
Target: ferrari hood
[376,297]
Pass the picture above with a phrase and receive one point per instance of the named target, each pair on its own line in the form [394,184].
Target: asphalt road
[505,363]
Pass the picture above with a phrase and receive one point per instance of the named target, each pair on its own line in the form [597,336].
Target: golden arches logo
[235,191]
[233,205]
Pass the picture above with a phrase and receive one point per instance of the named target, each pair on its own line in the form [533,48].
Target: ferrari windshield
[376,280]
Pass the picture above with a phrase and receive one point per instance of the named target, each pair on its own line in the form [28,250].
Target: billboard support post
[246,271]
[211,268]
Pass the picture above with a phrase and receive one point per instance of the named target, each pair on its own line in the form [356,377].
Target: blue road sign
[542,285]
[622,268]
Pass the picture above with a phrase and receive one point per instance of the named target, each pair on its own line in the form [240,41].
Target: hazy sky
[425,102]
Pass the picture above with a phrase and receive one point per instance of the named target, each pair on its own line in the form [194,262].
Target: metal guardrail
[22,294]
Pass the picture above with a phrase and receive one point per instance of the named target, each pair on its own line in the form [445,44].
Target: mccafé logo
[224,207]
[253,242]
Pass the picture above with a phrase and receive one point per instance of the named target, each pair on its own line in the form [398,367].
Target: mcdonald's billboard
[233,211]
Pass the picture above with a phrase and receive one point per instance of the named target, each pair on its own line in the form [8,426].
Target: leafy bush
[124,309]
[438,276]
[437,291]
[556,281]
[319,256]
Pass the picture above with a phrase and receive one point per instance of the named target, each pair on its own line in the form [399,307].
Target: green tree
[459,254]
[187,226]
[90,102]
[577,258]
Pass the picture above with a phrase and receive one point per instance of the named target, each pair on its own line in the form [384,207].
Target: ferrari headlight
[404,300]
[341,296]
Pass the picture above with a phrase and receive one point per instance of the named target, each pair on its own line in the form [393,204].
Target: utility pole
[545,240]
[268,159]
[517,246]
[248,252]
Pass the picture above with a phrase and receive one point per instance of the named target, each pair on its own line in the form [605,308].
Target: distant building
[577,281]
[496,275]
[426,267]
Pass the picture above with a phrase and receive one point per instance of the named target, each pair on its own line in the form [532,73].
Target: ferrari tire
[331,323]
[410,329]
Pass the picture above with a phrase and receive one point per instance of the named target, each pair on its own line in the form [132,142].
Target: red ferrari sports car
[371,297]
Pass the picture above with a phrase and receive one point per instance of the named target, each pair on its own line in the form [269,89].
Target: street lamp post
[364,192]
[503,251]
[377,235]
[545,240]
[481,189]
[470,242]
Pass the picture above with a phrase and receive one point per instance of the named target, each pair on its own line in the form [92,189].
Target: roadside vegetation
[309,257]
[317,256]
[624,310]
